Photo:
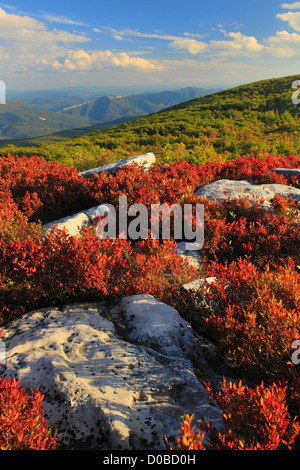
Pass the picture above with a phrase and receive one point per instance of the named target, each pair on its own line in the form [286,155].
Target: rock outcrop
[146,160]
[225,189]
[115,376]
[288,173]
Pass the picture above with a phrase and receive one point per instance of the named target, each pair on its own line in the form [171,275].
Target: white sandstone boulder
[114,376]
[146,160]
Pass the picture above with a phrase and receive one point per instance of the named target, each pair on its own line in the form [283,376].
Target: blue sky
[158,43]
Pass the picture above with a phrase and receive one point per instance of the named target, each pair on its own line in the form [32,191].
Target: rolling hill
[36,116]
[108,108]
[20,121]
[247,119]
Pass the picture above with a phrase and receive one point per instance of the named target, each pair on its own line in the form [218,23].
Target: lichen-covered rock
[288,173]
[146,160]
[115,375]
[73,224]
[225,189]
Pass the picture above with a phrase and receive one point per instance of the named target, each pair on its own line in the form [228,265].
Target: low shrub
[22,424]
[256,419]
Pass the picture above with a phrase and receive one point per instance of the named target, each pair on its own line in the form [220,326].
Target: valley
[20,120]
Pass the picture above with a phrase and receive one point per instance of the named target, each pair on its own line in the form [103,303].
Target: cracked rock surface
[114,375]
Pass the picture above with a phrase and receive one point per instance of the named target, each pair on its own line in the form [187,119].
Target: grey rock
[194,285]
[236,189]
[73,224]
[193,257]
[146,160]
[114,376]
[288,172]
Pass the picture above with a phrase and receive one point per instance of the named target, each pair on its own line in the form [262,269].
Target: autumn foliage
[256,419]
[22,424]
[251,313]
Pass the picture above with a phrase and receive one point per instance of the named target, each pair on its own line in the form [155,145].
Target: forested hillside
[239,121]
[108,108]
[18,121]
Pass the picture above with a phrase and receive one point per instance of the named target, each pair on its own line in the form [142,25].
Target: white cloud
[135,33]
[62,20]
[239,45]
[284,45]
[15,22]
[194,35]
[284,37]
[16,28]
[291,6]
[93,60]
[191,45]
[293,19]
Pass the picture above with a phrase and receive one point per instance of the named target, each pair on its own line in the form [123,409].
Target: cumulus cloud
[17,28]
[240,44]
[284,44]
[292,17]
[291,6]
[31,43]
[191,45]
[93,60]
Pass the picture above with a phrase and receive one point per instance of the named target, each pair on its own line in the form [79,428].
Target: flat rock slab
[72,224]
[115,376]
[192,257]
[288,172]
[224,189]
[197,283]
[146,160]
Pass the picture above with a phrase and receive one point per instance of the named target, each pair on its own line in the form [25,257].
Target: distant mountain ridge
[108,108]
[37,116]
[244,120]
[19,121]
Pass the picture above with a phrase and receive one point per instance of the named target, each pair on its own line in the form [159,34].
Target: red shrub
[42,190]
[61,268]
[252,317]
[257,419]
[22,425]
[257,168]
[239,228]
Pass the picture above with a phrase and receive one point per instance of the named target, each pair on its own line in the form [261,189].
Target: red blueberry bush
[257,419]
[42,191]
[251,313]
[22,424]
[253,317]
[60,268]
[240,228]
